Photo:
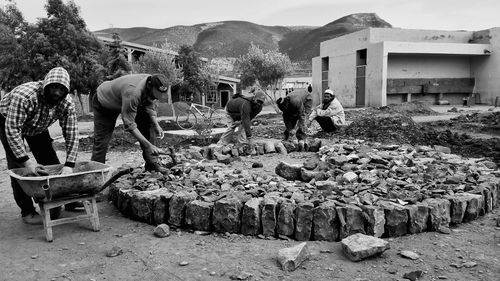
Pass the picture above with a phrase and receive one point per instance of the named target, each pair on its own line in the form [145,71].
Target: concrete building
[380,66]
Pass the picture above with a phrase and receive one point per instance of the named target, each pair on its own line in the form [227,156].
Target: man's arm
[69,127]
[14,121]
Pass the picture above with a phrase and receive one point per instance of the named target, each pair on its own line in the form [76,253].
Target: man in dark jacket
[241,111]
[295,107]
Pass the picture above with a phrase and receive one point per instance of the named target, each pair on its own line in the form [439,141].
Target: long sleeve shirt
[334,110]
[124,95]
[26,114]
[243,109]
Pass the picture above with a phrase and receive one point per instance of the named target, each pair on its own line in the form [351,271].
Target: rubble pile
[484,118]
[381,190]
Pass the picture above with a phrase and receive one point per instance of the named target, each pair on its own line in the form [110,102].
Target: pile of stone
[347,188]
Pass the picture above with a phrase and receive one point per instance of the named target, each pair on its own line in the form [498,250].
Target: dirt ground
[470,252]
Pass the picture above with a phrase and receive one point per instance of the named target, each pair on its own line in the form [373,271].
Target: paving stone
[360,246]
[351,219]
[418,217]
[227,215]
[177,206]
[142,206]
[396,219]
[304,219]
[439,213]
[375,220]
[251,217]
[286,218]
[457,208]
[199,215]
[325,222]
[269,209]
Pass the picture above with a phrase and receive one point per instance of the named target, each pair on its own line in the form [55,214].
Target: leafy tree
[117,64]
[264,68]
[159,60]
[197,76]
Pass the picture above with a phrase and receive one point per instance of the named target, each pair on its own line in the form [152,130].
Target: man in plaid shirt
[26,113]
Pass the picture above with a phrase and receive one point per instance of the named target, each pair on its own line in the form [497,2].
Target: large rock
[375,220]
[177,206]
[360,246]
[269,147]
[288,171]
[269,206]
[286,218]
[250,218]
[474,206]
[324,223]
[291,258]
[315,145]
[142,206]
[418,217]
[226,216]
[396,219]
[304,219]
[307,175]
[439,213]
[352,220]
[457,208]
[280,148]
[199,215]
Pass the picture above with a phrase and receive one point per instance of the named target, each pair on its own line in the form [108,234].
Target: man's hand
[155,151]
[159,131]
[66,170]
[35,169]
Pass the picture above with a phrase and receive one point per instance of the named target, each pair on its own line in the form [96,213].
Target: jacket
[243,109]
[334,110]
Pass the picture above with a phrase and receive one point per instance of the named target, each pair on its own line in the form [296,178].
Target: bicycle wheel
[186,120]
[218,119]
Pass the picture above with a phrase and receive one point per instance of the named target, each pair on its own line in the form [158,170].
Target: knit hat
[328,91]
[57,75]
[260,96]
[160,82]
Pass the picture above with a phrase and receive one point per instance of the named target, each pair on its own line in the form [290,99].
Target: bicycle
[190,115]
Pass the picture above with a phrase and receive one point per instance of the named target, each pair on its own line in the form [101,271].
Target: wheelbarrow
[55,190]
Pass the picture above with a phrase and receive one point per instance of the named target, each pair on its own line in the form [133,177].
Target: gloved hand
[35,169]
[66,170]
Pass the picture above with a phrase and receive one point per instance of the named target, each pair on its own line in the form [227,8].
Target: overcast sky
[415,14]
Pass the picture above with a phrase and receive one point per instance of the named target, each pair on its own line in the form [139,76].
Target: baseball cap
[328,91]
[160,82]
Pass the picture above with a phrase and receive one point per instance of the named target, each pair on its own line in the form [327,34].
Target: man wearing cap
[329,114]
[242,110]
[26,113]
[133,97]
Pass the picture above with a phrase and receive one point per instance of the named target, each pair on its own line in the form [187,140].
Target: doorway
[360,77]
[224,98]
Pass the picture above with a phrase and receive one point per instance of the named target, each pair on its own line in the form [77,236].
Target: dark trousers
[290,123]
[326,123]
[42,149]
[104,125]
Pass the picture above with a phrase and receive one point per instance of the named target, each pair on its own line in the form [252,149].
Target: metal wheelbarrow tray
[88,178]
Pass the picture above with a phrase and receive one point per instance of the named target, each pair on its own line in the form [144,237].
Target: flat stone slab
[360,246]
[291,258]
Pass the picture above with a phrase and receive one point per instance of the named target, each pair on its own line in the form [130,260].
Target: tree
[266,68]
[117,64]
[197,77]
[159,60]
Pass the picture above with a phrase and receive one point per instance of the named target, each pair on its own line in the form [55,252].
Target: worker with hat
[133,96]
[241,110]
[26,113]
[329,114]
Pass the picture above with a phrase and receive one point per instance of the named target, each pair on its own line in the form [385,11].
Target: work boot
[33,219]
[72,207]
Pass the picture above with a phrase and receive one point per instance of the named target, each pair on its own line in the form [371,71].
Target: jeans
[235,133]
[44,153]
[104,125]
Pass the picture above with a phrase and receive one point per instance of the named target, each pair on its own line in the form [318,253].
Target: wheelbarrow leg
[91,210]
[47,223]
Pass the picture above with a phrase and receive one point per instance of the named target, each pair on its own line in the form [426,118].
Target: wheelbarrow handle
[118,174]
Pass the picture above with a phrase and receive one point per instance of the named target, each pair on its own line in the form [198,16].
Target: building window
[212,95]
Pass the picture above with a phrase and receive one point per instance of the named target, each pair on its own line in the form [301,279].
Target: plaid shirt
[26,114]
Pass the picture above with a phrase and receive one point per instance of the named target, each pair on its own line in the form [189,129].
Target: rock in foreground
[359,246]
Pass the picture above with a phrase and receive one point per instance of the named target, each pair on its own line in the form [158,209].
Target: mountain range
[231,39]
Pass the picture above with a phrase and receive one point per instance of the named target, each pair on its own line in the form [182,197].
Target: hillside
[232,38]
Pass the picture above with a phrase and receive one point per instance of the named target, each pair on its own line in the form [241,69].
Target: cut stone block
[360,246]
[286,218]
[288,171]
[474,206]
[439,213]
[142,206]
[226,216]
[457,208]
[160,206]
[280,148]
[351,219]
[269,147]
[396,219]
[250,218]
[291,258]
[269,206]
[324,222]
[177,207]
[375,220]
[199,215]
[304,219]
[418,217]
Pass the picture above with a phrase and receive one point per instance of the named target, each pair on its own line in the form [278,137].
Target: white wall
[486,70]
